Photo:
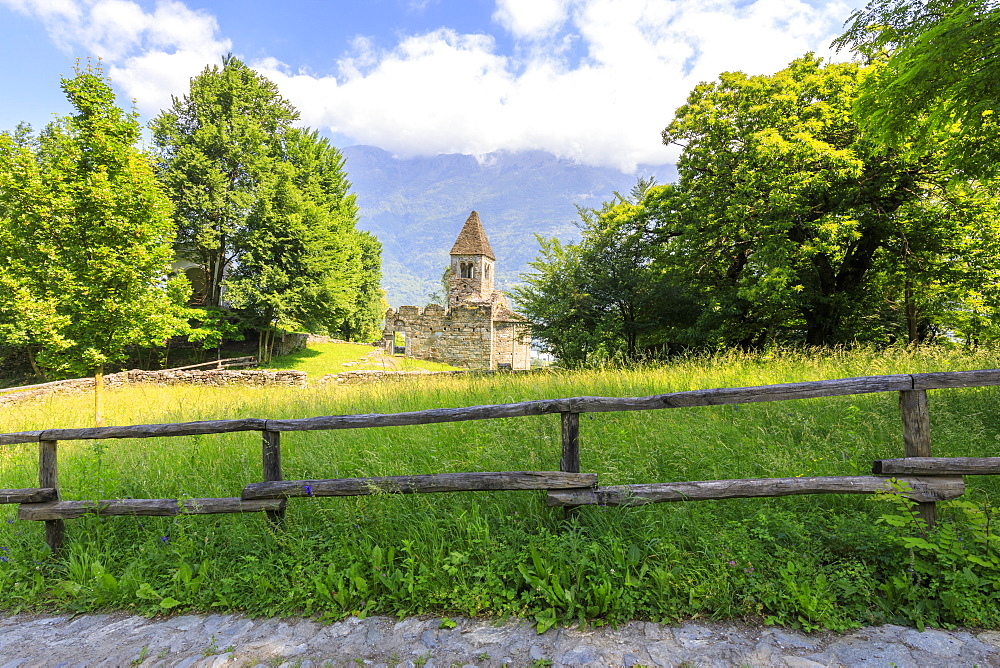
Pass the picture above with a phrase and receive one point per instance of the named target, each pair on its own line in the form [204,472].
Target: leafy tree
[218,146]
[607,296]
[790,217]
[364,321]
[300,264]
[940,86]
[554,299]
[85,238]
[265,208]
[787,225]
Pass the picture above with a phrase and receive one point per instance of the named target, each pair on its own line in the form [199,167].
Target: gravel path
[233,640]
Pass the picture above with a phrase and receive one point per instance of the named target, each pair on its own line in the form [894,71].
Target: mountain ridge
[417,206]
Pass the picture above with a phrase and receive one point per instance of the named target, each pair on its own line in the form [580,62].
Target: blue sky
[589,80]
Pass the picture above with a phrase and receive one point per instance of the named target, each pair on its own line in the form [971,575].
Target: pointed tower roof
[472,239]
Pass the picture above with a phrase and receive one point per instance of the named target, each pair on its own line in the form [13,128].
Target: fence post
[570,460]
[48,476]
[272,470]
[917,438]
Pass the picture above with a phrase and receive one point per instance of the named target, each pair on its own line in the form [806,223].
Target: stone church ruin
[477,330]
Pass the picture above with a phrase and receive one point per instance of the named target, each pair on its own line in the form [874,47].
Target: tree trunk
[911,313]
[34,363]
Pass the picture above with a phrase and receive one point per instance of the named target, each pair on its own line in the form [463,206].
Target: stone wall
[290,342]
[213,377]
[511,343]
[461,337]
[465,336]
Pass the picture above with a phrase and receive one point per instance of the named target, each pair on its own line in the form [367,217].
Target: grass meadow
[833,561]
[319,359]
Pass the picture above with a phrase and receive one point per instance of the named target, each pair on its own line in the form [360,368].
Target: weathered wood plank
[28,495]
[724,396]
[923,489]
[708,397]
[937,466]
[409,484]
[65,510]
[953,379]
[20,437]
[154,430]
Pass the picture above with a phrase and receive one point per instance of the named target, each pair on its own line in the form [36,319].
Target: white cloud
[447,92]
[591,80]
[531,19]
[149,55]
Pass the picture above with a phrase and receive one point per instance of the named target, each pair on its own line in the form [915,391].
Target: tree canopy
[787,225]
[85,238]
[264,208]
[939,89]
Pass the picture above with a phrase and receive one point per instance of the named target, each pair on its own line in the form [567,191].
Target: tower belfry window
[466,270]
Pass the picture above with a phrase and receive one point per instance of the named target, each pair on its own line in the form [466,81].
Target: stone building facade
[477,330]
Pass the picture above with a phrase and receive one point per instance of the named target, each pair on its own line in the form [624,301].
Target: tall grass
[806,561]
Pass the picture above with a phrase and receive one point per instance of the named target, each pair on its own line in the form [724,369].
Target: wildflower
[309,490]
[732,563]
[4,548]
[4,559]
[164,539]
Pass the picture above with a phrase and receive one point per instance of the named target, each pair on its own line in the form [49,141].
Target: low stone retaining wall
[213,377]
[366,375]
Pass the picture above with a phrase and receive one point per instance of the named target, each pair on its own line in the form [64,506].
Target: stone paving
[234,640]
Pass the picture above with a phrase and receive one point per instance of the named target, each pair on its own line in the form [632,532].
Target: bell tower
[472,269]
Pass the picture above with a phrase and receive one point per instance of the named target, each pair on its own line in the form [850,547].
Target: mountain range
[416,207]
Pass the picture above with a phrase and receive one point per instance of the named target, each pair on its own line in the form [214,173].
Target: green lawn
[809,561]
[319,359]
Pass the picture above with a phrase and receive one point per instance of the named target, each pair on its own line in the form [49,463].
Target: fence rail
[927,479]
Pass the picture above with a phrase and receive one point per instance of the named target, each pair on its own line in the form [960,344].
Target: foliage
[954,569]
[938,89]
[808,562]
[85,238]
[217,145]
[794,226]
[265,209]
[787,226]
[605,297]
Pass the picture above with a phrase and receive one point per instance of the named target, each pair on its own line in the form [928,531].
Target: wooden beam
[65,510]
[736,395]
[709,397]
[937,466]
[409,484]
[29,495]
[953,379]
[155,430]
[923,489]
[20,437]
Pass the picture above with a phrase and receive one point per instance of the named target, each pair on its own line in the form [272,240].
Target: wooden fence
[929,479]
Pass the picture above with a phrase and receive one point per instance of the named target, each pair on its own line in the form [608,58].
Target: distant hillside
[417,207]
